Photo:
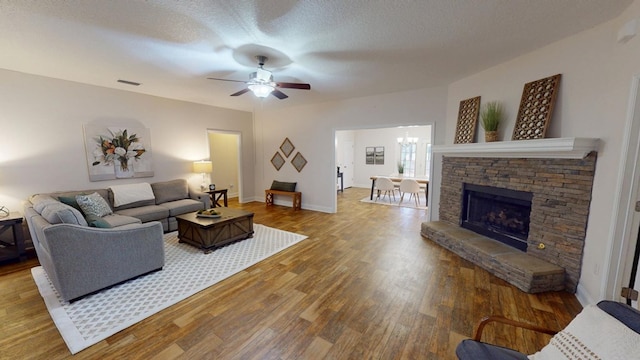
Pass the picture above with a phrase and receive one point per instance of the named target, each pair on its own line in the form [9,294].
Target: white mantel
[553,148]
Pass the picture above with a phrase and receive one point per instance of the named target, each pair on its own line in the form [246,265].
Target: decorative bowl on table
[208,213]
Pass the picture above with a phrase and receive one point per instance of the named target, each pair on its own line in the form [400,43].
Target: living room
[43,119]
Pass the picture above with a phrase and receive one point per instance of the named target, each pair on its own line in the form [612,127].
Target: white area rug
[187,271]
[405,203]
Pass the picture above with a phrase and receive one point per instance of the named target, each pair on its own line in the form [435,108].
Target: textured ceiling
[344,49]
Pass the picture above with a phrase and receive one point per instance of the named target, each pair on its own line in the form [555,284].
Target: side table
[216,195]
[16,249]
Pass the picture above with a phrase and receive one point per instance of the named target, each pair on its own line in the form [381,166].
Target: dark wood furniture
[295,195]
[216,195]
[15,249]
[421,181]
[209,234]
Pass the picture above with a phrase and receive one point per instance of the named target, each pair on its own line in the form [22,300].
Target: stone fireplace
[555,189]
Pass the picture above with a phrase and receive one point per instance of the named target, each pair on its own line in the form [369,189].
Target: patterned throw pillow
[93,204]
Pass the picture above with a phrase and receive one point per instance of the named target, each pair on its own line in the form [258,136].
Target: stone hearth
[561,190]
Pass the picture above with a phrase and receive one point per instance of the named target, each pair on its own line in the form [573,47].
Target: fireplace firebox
[501,214]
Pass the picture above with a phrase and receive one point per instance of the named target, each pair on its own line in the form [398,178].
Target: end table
[216,195]
[15,250]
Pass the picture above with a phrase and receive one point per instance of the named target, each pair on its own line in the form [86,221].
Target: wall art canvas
[378,156]
[118,152]
[369,152]
[536,108]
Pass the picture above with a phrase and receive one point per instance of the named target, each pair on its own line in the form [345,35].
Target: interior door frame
[238,135]
[626,220]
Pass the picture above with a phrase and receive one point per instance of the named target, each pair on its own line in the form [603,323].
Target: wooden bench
[295,195]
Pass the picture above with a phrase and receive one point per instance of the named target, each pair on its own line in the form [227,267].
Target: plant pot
[490,136]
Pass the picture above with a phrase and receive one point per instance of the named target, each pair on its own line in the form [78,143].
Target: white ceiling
[343,48]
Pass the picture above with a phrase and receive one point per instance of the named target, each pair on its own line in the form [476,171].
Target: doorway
[351,152]
[225,154]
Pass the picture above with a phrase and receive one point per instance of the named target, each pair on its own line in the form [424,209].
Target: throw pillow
[93,204]
[71,201]
[283,186]
[97,222]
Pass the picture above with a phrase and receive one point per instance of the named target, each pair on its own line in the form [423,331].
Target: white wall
[312,129]
[594,93]
[41,123]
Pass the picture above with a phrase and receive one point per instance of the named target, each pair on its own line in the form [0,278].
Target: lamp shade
[202,167]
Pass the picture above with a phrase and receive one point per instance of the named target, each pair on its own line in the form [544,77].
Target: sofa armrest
[200,196]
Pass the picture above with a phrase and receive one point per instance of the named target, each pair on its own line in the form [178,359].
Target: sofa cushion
[283,186]
[59,213]
[146,213]
[73,193]
[131,193]
[183,206]
[93,204]
[39,201]
[170,190]
[117,220]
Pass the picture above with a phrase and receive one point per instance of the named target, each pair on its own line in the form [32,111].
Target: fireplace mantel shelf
[553,148]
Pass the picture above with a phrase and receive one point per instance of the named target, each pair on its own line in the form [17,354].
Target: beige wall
[42,134]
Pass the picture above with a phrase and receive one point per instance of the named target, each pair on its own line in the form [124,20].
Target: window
[408,158]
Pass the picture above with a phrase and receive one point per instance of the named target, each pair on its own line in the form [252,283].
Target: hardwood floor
[364,285]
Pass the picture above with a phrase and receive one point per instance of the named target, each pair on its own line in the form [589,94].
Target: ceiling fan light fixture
[261,90]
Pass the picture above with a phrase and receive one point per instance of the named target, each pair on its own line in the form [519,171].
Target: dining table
[424,182]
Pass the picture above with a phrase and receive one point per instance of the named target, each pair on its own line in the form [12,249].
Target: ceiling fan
[262,84]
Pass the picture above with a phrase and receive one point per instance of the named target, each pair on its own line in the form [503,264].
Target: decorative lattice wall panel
[536,107]
[467,120]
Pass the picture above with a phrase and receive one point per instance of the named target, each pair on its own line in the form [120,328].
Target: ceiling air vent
[129,82]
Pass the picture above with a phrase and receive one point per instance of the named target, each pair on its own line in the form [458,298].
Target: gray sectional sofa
[82,254]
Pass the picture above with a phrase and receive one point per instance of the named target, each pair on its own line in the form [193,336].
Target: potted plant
[400,168]
[491,117]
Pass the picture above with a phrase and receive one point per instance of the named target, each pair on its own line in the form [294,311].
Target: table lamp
[204,167]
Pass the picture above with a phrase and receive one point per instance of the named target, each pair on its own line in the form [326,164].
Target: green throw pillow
[71,201]
[283,186]
[97,222]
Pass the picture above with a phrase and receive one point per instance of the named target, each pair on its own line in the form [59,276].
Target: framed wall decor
[117,152]
[536,108]
[467,120]
[277,160]
[298,161]
[287,147]
[378,157]
[369,152]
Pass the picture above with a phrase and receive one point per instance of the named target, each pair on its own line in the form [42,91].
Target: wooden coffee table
[209,234]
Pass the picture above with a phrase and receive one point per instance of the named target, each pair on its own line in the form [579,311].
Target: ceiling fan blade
[240,92]
[227,80]
[286,85]
[279,94]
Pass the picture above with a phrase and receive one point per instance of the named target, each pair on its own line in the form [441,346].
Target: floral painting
[115,152]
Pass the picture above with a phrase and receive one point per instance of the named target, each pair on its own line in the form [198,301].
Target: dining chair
[411,187]
[385,187]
